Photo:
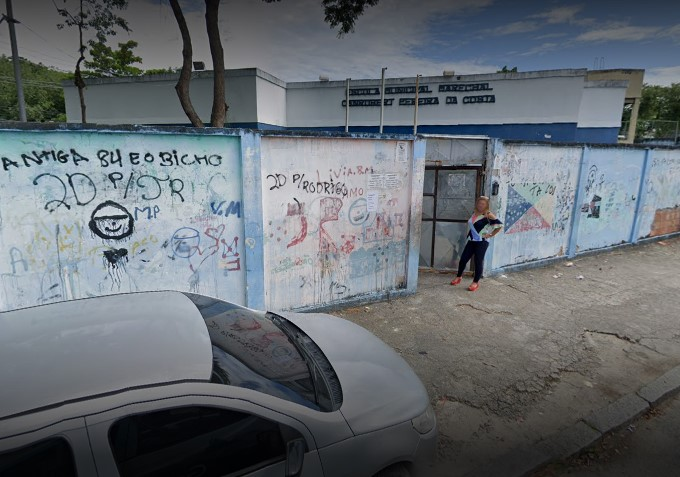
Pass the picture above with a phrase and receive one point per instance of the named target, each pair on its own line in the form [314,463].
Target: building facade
[572,105]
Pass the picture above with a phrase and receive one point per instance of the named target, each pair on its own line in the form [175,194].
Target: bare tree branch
[219,110]
[182,86]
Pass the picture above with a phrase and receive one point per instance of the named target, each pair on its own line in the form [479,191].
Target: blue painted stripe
[550,132]
[555,132]
[578,200]
[246,125]
[417,179]
[253,218]
[641,197]
[597,135]
[258,125]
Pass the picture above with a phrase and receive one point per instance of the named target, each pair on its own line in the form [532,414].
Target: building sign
[428,101]
[366,102]
[488,98]
[421,101]
[406,89]
[388,90]
[463,88]
[364,91]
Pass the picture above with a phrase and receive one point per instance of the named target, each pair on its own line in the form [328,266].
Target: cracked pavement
[530,354]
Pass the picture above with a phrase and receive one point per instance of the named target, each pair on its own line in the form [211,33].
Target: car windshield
[251,351]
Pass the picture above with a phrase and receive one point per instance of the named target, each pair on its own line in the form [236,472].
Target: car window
[201,441]
[48,458]
[251,351]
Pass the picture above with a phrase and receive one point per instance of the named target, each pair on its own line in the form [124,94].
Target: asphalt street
[533,352]
[647,447]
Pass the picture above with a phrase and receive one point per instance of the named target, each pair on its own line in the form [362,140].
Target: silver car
[176,384]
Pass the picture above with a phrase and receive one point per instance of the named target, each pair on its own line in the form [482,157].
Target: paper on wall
[372,201]
[402,152]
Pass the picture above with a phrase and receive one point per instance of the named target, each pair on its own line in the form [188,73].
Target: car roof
[67,351]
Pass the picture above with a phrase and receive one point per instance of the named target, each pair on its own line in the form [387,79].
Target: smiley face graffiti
[111,221]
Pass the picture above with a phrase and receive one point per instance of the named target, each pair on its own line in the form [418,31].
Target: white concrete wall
[153,100]
[610,193]
[531,99]
[77,222]
[548,97]
[537,186]
[336,217]
[602,104]
[661,212]
[558,200]
[271,102]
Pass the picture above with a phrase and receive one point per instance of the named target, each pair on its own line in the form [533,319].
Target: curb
[587,431]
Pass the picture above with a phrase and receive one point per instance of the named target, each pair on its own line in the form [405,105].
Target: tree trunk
[78,79]
[219,107]
[80,84]
[182,86]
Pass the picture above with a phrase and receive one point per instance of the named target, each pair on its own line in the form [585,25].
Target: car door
[197,436]
[58,450]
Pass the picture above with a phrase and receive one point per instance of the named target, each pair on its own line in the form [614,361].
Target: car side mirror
[295,457]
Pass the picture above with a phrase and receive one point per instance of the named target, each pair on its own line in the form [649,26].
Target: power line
[49,58]
[35,81]
[47,41]
[36,84]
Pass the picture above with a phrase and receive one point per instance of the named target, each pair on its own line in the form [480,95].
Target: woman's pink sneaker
[456,281]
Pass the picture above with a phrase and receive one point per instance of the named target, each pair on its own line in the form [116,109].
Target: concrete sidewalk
[526,360]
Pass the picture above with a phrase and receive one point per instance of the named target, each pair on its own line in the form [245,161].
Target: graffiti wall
[611,185]
[661,211]
[93,213]
[336,218]
[563,200]
[536,193]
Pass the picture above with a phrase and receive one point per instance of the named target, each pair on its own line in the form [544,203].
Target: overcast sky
[290,39]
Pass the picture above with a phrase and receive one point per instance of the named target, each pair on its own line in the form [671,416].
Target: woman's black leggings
[476,249]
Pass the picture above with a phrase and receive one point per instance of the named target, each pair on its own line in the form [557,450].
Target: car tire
[397,470]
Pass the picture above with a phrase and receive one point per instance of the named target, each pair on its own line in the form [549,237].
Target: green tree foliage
[659,112]
[43,93]
[505,69]
[660,102]
[99,16]
[109,62]
[161,71]
[342,14]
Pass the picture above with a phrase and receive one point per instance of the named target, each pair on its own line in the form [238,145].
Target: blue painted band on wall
[556,132]
[597,135]
[262,126]
[253,125]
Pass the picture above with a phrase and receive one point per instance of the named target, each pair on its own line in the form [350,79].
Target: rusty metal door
[449,195]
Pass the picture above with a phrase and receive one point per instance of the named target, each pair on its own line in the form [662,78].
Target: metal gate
[449,195]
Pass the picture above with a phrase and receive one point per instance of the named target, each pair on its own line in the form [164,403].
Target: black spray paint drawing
[595,207]
[115,260]
[111,221]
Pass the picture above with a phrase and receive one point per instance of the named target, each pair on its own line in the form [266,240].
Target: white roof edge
[447,79]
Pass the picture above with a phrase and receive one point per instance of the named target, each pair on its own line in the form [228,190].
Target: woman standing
[483,226]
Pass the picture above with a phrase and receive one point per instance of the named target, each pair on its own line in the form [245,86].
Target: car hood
[379,388]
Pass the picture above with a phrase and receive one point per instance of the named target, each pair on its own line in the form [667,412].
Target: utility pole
[415,106]
[382,100]
[347,105]
[15,59]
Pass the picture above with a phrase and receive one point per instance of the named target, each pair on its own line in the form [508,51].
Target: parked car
[177,384]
